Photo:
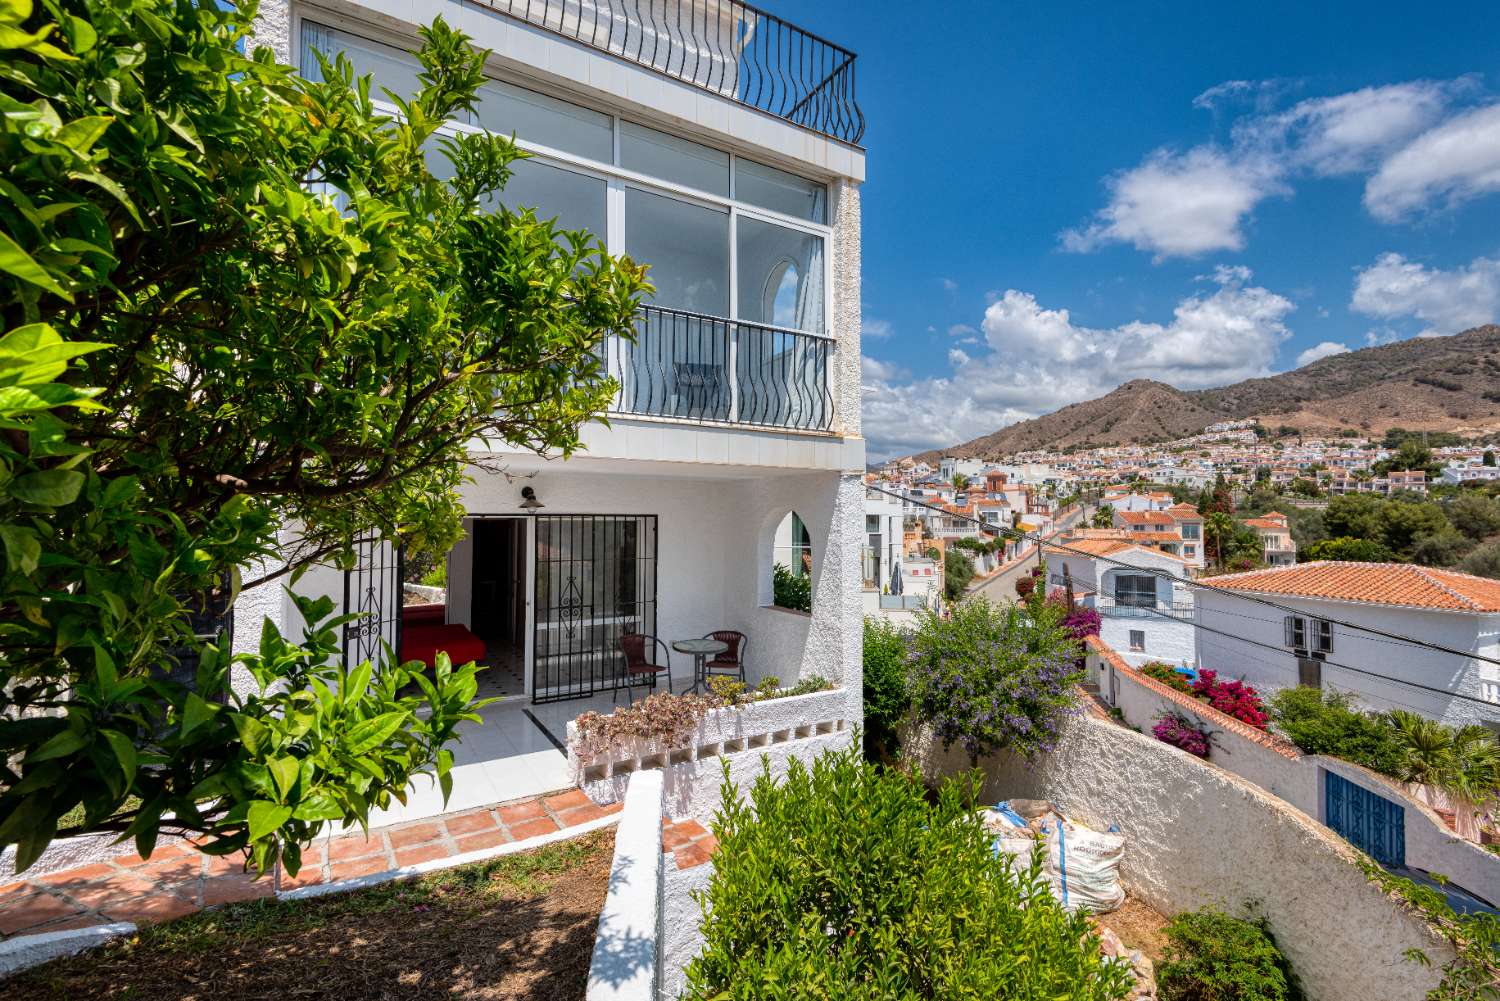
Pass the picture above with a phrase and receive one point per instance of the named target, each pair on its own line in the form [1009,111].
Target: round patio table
[701,651]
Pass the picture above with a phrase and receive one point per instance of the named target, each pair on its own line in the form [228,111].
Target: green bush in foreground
[886,697]
[1214,957]
[847,882]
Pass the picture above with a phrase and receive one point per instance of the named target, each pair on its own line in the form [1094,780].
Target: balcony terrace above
[725,47]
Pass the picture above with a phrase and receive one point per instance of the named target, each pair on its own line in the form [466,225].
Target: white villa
[734,441]
[1144,615]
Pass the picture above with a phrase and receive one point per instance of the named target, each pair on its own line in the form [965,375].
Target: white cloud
[1446,301]
[961,330]
[1407,136]
[949,285]
[1179,204]
[1324,350]
[875,330]
[875,370]
[1039,359]
[1447,165]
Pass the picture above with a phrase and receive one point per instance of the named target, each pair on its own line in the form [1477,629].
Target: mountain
[1427,383]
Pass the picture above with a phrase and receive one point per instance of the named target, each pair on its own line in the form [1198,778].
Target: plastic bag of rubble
[1083,865]
[1012,835]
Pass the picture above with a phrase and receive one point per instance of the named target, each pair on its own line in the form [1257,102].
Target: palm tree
[1104,517]
[1427,755]
[1474,781]
[1218,528]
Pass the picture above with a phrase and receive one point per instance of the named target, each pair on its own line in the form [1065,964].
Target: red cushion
[424,642]
[432,614]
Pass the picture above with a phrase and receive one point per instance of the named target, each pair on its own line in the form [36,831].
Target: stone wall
[1199,836]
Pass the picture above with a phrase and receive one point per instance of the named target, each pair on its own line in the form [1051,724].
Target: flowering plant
[1234,698]
[992,676]
[1167,675]
[1080,620]
[1174,729]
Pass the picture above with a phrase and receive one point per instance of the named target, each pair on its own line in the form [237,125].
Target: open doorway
[487,588]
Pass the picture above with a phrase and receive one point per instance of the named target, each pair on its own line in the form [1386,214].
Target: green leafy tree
[1442,548]
[235,300]
[1350,550]
[1356,516]
[1104,517]
[1402,522]
[1303,486]
[790,590]
[1211,956]
[1474,514]
[1484,561]
[886,697]
[847,880]
[1488,458]
[1218,532]
[958,573]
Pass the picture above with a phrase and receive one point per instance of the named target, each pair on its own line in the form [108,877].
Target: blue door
[1371,823]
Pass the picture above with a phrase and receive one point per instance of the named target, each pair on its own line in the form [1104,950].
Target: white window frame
[617,177]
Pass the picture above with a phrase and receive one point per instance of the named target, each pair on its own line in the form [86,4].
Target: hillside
[1436,384]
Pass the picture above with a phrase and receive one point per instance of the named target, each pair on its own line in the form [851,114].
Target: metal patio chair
[731,661]
[646,657]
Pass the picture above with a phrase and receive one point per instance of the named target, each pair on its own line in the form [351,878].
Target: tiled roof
[1374,583]
[1147,518]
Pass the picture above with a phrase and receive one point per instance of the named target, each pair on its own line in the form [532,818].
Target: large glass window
[781,276]
[1135,590]
[770,188]
[647,151]
[576,201]
[388,67]
[687,247]
[507,109]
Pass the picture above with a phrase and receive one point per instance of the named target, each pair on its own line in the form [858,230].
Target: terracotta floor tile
[151,908]
[83,921]
[82,874]
[417,834]
[581,815]
[613,807]
[469,823]
[569,800]
[358,867]
[691,828]
[484,839]
[177,869]
[353,846]
[227,889]
[39,908]
[421,853]
[709,844]
[532,828]
[691,855]
[517,812]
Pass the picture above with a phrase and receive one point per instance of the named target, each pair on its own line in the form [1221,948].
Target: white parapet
[776,729]
[626,960]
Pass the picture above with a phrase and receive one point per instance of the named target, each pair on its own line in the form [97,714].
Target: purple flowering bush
[1080,621]
[1174,729]
[992,676]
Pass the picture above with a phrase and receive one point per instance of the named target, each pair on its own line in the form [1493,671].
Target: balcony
[708,369]
[1113,608]
[725,47]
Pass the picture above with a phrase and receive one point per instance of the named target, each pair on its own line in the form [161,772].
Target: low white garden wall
[1279,768]
[774,731]
[1197,835]
[627,948]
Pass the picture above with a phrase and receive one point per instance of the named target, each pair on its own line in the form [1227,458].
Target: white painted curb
[627,950]
[438,864]
[25,951]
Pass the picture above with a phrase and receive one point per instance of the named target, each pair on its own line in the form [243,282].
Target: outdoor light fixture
[529,501]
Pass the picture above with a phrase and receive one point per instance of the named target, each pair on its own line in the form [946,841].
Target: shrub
[1233,698]
[1175,729]
[808,685]
[790,590]
[886,697]
[958,572]
[662,717]
[1327,723]
[993,677]
[1025,585]
[1211,956]
[847,881]
[1168,676]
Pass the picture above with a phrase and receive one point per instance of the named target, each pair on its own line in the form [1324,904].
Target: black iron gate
[372,591]
[595,582]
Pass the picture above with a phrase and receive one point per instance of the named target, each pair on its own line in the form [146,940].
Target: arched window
[792,564]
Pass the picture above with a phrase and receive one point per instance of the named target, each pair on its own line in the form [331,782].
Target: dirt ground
[1139,927]
[521,926]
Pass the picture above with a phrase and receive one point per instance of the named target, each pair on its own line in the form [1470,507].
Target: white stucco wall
[1269,669]
[1199,836]
[1167,639]
[1299,780]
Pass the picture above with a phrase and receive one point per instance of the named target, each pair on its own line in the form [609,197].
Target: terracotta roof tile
[1373,583]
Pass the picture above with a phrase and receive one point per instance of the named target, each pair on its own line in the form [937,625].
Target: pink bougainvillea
[1234,698]
[1175,729]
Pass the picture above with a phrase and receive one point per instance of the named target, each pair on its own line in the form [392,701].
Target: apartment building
[719,145]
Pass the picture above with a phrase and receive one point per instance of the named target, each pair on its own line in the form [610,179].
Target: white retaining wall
[627,946]
[1198,836]
[1299,779]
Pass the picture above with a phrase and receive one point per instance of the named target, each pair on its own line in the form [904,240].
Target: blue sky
[1064,196]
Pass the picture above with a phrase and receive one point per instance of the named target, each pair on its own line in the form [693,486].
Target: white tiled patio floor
[507,758]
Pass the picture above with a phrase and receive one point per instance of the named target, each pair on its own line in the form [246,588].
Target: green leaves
[47,487]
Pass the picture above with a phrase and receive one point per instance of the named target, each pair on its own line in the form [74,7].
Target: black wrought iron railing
[706,368]
[725,46]
[1114,608]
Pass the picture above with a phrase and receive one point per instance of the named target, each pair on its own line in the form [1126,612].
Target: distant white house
[1470,472]
[1271,648]
[1144,615]
[1274,530]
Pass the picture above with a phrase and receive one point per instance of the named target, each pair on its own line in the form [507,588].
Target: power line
[1189,582]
